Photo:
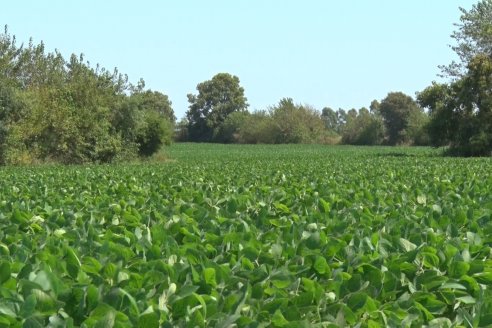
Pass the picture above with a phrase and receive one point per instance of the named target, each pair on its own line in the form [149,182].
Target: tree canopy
[461,111]
[216,100]
[473,37]
[398,110]
[58,110]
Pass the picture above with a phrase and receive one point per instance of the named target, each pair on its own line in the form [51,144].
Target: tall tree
[473,37]
[461,111]
[216,100]
[396,110]
[363,128]
[329,116]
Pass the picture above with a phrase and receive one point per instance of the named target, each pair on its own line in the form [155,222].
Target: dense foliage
[248,236]
[362,128]
[58,110]
[403,119]
[461,111]
[216,100]
[285,122]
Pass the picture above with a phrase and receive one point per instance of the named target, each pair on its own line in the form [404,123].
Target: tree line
[54,109]
[457,114]
[218,113]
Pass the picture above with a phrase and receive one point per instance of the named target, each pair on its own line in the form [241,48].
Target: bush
[152,133]
[65,111]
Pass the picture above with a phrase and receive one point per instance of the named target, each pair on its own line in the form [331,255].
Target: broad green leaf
[321,266]
[72,262]
[278,320]
[458,269]
[357,301]
[440,323]
[452,285]
[148,320]
[48,281]
[209,276]
[4,271]
[28,307]
[324,206]
[466,299]
[45,303]
[32,322]
[483,277]
[407,245]
[282,208]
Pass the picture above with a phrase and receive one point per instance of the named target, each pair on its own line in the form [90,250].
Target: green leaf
[106,316]
[466,300]
[433,305]
[320,265]
[452,285]
[282,208]
[8,308]
[483,277]
[458,269]
[45,303]
[440,323]
[324,206]
[28,307]
[278,319]
[32,322]
[148,320]
[72,262]
[436,208]
[131,299]
[209,276]
[91,265]
[407,245]
[4,271]
[48,281]
[4,321]
[357,301]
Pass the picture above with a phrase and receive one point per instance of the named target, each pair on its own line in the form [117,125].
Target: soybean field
[250,236]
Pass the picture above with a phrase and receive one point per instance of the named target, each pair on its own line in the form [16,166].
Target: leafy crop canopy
[281,236]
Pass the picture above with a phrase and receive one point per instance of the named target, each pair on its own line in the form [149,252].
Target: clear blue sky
[318,52]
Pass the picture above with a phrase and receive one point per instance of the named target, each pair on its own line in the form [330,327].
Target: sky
[324,53]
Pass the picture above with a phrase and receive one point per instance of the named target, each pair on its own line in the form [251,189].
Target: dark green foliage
[11,110]
[329,117]
[216,100]
[153,101]
[288,122]
[146,120]
[283,123]
[233,125]
[294,123]
[152,132]
[397,111]
[251,128]
[363,128]
[461,111]
[65,111]
[181,130]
